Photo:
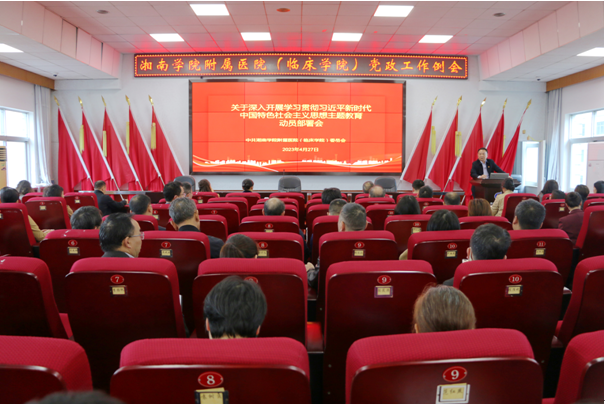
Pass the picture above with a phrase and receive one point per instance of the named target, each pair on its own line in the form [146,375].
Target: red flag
[462,171]
[93,156]
[508,161]
[114,152]
[416,168]
[445,159]
[162,152]
[495,146]
[141,159]
[71,167]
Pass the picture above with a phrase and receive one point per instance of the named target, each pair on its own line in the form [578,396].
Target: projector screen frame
[403,82]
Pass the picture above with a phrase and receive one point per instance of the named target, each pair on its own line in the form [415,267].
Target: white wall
[171,98]
[16,94]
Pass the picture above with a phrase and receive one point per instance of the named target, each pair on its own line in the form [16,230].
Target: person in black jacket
[107,205]
[120,236]
[483,167]
[185,216]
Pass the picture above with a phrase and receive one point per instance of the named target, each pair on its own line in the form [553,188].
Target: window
[584,128]
[15,131]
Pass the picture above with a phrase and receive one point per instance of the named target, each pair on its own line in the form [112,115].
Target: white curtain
[42,145]
[554,139]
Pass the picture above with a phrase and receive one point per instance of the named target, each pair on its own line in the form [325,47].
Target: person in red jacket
[572,223]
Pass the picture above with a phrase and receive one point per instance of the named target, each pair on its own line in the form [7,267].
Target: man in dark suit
[120,236]
[483,167]
[572,223]
[107,205]
[185,216]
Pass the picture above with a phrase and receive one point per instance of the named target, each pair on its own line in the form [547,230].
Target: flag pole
[417,142]
[441,144]
[166,137]
[450,176]
[490,138]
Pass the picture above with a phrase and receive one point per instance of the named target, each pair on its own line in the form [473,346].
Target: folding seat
[365,299]
[585,310]
[148,223]
[403,226]
[162,200]
[49,212]
[241,203]
[161,213]
[590,196]
[546,197]
[114,301]
[590,239]
[315,211]
[60,249]
[269,224]
[399,196]
[511,201]
[203,197]
[424,202]
[31,195]
[444,250]
[287,201]
[365,202]
[472,222]
[252,371]
[27,301]
[33,367]
[186,250]
[432,367]
[360,196]
[523,294]
[290,209]
[313,202]
[278,245]
[379,213]
[592,202]
[551,244]
[323,225]
[228,210]
[284,284]
[459,210]
[214,225]
[555,209]
[581,379]
[16,237]
[318,196]
[76,200]
[251,197]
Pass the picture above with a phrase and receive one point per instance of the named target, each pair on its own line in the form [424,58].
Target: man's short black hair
[354,217]
[114,230]
[235,307]
[171,190]
[186,187]
[247,184]
[483,148]
[599,186]
[78,397]
[99,184]
[139,204]
[329,194]
[508,184]
[53,191]
[530,214]
[425,192]
[443,219]
[489,242]
[407,205]
[558,194]
[417,184]
[9,195]
[583,191]
[451,198]
[86,218]
[336,207]
[573,199]
[274,207]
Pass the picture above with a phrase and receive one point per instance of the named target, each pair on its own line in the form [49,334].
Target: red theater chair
[403,226]
[269,224]
[590,239]
[510,204]
[228,210]
[555,210]
[424,202]
[413,368]
[291,201]
[31,195]
[315,211]
[379,213]
[251,197]
[302,200]
[76,200]
[459,210]
[214,225]
[186,250]
[148,223]
[313,202]
[592,202]
[33,367]
[365,202]
[241,203]
[590,196]
[551,244]
[161,213]
[27,301]
[444,250]
[203,197]
[318,196]
[581,379]
[365,299]
[523,294]
[114,301]
[252,371]
[278,245]
[585,311]
[16,237]
[49,212]
[290,209]
[323,225]
[545,197]
[60,249]
[472,222]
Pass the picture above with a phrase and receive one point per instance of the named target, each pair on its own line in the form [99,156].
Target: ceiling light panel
[435,38]
[209,9]
[167,37]
[393,11]
[346,37]
[256,36]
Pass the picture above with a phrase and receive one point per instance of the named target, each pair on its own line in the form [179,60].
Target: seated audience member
[239,246]
[508,187]
[140,204]
[234,308]
[451,199]
[204,186]
[416,185]
[598,187]
[556,194]
[106,203]
[529,215]
[572,223]
[443,308]
[377,192]
[24,187]
[336,207]
[171,191]
[86,218]
[185,217]
[479,207]
[10,195]
[549,187]
[366,186]
[73,397]
[187,191]
[442,219]
[583,191]
[408,205]
[425,192]
[56,191]
[120,236]
[247,185]
[277,207]
[329,194]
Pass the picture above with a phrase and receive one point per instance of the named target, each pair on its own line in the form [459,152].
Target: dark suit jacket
[572,223]
[115,254]
[107,205]
[215,243]
[477,168]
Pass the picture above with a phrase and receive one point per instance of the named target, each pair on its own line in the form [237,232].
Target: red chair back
[555,210]
[76,200]
[403,226]
[472,222]
[16,237]
[315,211]
[290,209]
[590,196]
[214,225]
[592,202]
[49,212]
[379,213]
[313,202]
[318,196]
[320,226]
[510,204]
[590,239]
[278,245]
[424,202]
[148,223]
[161,213]
[302,200]
[269,224]
[31,195]
[365,202]
[251,197]
[241,203]
[203,196]
[459,210]
[228,210]
[523,294]
[287,201]
[361,196]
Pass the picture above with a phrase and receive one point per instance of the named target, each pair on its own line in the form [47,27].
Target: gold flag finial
[81,104]
[434,102]
[505,103]
[57,101]
[483,102]
[128,100]
[151,101]
[459,100]
[528,104]
[104,101]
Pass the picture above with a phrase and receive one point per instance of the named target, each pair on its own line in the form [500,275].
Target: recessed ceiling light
[595,52]
[102,11]
[210,9]
[256,36]
[499,15]
[435,38]
[9,49]
[393,11]
[283,10]
[343,36]
[167,37]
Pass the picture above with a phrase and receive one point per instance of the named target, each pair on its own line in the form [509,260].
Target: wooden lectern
[487,188]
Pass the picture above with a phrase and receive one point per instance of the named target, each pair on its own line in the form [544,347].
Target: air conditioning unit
[2,166]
